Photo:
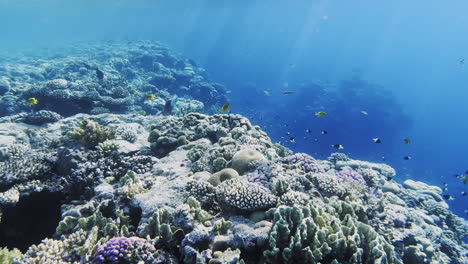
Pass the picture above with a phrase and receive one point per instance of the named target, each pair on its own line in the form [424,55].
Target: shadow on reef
[32,219]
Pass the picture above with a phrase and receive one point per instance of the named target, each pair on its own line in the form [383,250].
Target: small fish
[292,140]
[463,178]
[287,92]
[287,133]
[383,158]
[32,101]
[389,178]
[364,112]
[338,146]
[463,193]
[406,157]
[445,189]
[224,108]
[461,62]
[377,140]
[448,197]
[407,141]
[321,114]
[308,130]
[267,93]
[445,184]
[150,97]
[99,74]
[324,132]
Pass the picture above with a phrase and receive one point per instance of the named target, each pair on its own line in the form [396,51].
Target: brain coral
[243,158]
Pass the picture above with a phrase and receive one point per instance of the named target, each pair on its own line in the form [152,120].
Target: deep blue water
[397,60]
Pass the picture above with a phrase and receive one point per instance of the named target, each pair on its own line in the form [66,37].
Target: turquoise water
[410,50]
[381,70]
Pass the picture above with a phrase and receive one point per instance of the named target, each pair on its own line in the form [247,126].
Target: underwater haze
[390,77]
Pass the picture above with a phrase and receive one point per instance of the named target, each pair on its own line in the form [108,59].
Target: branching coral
[308,234]
[89,133]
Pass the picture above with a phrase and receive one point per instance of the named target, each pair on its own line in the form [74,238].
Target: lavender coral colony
[116,160]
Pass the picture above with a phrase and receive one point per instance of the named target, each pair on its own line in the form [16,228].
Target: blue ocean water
[402,62]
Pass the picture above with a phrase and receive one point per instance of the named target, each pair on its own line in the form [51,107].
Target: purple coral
[304,161]
[349,175]
[124,250]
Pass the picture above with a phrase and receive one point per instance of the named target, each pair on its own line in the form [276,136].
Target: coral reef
[102,78]
[90,133]
[212,189]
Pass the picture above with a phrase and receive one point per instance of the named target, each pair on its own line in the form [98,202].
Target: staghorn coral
[89,133]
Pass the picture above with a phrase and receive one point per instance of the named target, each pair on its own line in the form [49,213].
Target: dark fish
[377,140]
[287,133]
[192,62]
[324,132]
[167,108]
[445,184]
[292,140]
[87,66]
[99,74]
[407,141]
[287,92]
[448,197]
[463,178]
[389,178]
[338,146]
[308,130]
[383,158]
[445,189]
[406,157]
[463,193]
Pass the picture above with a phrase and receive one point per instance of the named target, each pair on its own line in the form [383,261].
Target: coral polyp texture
[82,185]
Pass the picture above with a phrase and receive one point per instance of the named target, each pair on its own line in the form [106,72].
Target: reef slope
[204,189]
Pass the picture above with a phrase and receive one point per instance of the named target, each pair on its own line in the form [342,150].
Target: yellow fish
[321,114]
[463,177]
[32,101]
[150,97]
[224,108]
